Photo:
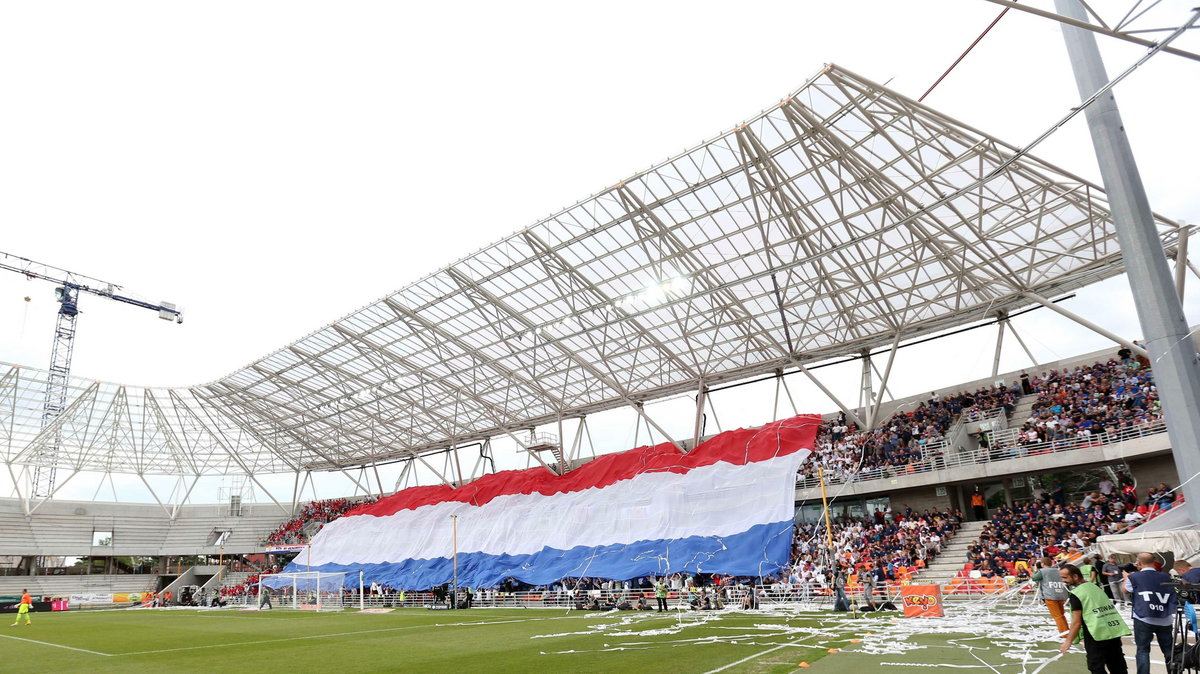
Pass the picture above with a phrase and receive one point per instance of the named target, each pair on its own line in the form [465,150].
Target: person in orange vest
[23,609]
[167,598]
[979,505]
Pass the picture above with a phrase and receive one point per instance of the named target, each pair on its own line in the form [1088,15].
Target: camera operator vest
[1101,618]
[1051,585]
[1152,602]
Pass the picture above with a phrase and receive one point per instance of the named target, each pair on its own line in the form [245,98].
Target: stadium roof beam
[1123,341]
[827,224]
[1102,30]
[607,379]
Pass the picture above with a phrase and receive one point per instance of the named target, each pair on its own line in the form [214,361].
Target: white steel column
[999,343]
[698,422]
[1181,260]
[883,380]
[1013,329]
[1164,327]
[850,414]
[866,392]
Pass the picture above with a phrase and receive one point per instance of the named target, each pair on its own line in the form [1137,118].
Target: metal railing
[1005,447]
[733,596]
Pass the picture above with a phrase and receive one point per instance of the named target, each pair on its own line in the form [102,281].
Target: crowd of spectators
[845,452]
[896,543]
[293,531]
[1072,406]
[1048,526]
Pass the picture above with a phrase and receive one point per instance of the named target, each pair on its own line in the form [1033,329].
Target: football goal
[311,590]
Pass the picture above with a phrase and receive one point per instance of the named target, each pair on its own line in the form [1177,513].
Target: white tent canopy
[1172,532]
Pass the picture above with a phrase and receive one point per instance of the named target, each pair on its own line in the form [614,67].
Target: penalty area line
[47,643]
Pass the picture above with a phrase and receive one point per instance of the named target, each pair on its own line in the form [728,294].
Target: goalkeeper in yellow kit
[23,609]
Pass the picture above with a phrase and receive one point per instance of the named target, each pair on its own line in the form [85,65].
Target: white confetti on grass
[1015,636]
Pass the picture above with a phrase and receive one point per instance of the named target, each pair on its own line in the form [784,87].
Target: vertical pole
[866,394]
[1164,327]
[454,585]
[698,422]
[564,465]
[825,507]
[361,594]
[308,557]
[999,345]
[295,593]
[1181,260]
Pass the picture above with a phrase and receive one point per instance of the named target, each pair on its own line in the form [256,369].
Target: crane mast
[70,285]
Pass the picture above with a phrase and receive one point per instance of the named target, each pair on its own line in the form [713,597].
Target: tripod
[1185,652]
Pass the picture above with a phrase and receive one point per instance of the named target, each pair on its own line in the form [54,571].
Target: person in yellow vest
[660,594]
[23,608]
[1097,622]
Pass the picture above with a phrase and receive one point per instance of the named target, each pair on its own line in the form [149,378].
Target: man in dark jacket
[1153,610]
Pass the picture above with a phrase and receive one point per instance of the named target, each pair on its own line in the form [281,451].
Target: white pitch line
[47,643]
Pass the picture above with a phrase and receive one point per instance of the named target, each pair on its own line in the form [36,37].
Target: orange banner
[921,601]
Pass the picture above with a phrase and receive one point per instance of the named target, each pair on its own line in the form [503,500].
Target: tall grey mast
[1172,355]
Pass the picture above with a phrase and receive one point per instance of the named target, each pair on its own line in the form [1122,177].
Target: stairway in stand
[947,564]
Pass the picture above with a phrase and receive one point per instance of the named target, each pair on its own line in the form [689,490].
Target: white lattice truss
[846,217]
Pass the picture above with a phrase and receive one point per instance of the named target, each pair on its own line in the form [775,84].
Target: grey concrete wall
[921,498]
[1150,471]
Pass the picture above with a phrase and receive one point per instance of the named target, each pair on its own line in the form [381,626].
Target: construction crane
[70,285]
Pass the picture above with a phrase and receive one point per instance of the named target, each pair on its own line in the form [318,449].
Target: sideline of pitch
[47,643]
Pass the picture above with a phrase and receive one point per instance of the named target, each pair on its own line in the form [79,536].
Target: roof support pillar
[883,381]
[999,343]
[1181,261]
[183,500]
[781,385]
[850,414]
[1013,329]
[866,390]
[1086,323]
[698,420]
[1164,326]
[404,472]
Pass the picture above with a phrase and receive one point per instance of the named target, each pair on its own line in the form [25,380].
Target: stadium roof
[846,217]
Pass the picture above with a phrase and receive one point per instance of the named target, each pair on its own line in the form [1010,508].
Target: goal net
[312,590]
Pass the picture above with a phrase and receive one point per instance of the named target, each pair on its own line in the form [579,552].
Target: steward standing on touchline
[1096,620]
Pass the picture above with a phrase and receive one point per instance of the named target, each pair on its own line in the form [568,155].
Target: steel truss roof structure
[844,218]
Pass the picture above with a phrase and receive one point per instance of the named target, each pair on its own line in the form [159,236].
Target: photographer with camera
[1154,605]
[1187,572]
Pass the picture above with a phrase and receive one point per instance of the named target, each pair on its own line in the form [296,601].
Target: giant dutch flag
[725,507]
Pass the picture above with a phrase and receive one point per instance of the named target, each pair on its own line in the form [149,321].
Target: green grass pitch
[506,640]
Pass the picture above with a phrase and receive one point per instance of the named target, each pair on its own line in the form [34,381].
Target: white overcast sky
[271,166]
